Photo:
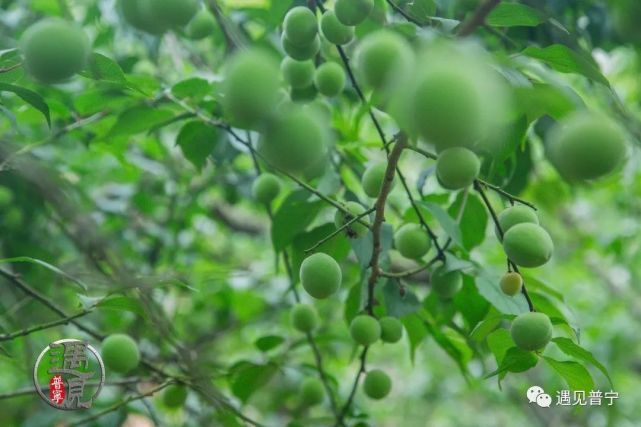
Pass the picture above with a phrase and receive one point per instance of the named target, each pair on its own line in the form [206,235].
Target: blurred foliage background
[116,194]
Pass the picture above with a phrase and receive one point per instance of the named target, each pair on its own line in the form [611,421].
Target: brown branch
[27,331]
[10,68]
[352,393]
[477,19]
[340,229]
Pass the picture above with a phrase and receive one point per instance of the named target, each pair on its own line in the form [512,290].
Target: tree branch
[340,229]
[477,19]
[27,331]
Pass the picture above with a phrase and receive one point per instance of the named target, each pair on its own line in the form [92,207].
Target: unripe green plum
[120,353]
[298,74]
[320,275]
[356,229]
[365,330]
[334,31]
[312,391]
[373,178]
[586,146]
[6,196]
[173,13]
[457,168]
[294,139]
[381,56]
[353,12]
[391,329]
[446,283]
[511,283]
[203,25]
[266,188]
[301,52]
[250,87]
[330,79]
[528,245]
[54,50]
[531,331]
[377,384]
[139,14]
[300,26]
[516,214]
[304,318]
[412,241]
[174,396]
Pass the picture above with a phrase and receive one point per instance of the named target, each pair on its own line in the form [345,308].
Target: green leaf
[473,222]
[398,305]
[249,378]
[484,328]
[444,342]
[514,15]
[544,99]
[194,87]
[138,119]
[575,374]
[447,222]
[488,286]
[268,342]
[515,360]
[48,267]
[124,303]
[103,68]
[565,60]
[292,217]
[197,142]
[30,97]
[416,332]
[568,347]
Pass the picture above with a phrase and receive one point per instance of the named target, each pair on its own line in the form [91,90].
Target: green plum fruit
[120,353]
[373,178]
[201,26]
[334,31]
[365,330]
[304,318]
[54,50]
[301,52]
[312,391]
[353,12]
[585,146]
[294,139]
[300,26]
[511,283]
[250,88]
[391,329]
[412,241]
[446,283]
[172,13]
[528,245]
[377,384]
[174,396]
[320,275]
[355,229]
[298,74]
[139,14]
[266,188]
[531,331]
[381,56]
[457,168]
[330,79]
[513,215]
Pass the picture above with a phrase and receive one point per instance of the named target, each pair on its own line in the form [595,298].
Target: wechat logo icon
[536,394]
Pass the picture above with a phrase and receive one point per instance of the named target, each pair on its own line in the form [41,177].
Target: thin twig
[352,393]
[340,229]
[31,390]
[495,219]
[10,68]
[404,14]
[27,331]
[121,404]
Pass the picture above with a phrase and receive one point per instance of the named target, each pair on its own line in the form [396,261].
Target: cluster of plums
[159,16]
